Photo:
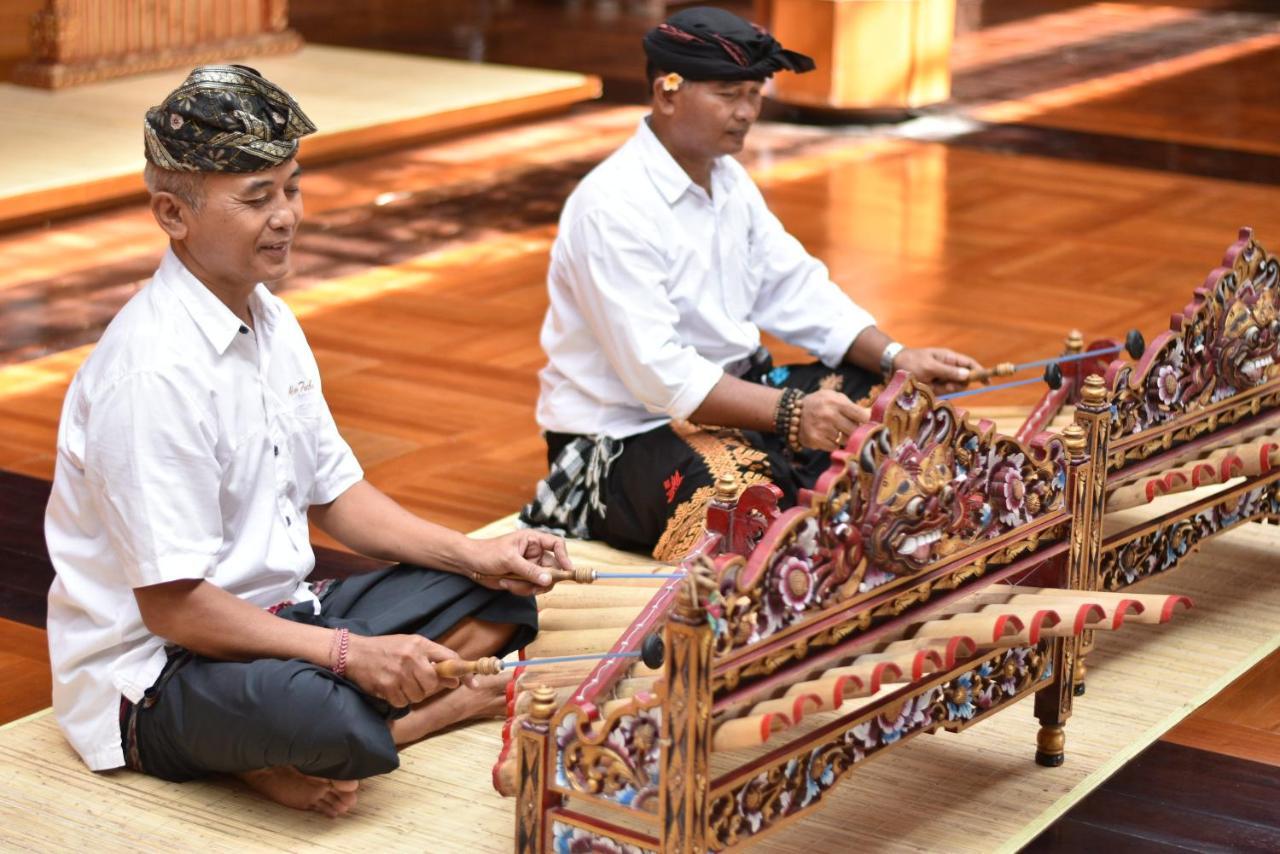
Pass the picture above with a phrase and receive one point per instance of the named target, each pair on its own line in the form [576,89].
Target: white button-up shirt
[657,287]
[190,447]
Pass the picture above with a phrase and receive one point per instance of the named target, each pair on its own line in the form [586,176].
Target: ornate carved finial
[544,703]
[727,488]
[700,581]
[1075,341]
[1094,392]
[1073,437]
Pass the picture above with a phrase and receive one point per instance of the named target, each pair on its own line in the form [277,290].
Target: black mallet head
[653,651]
[1053,375]
[1134,344]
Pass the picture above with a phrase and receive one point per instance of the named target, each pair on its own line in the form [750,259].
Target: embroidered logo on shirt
[672,484]
[301,386]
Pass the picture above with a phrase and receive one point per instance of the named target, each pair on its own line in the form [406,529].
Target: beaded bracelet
[793,426]
[787,402]
[338,651]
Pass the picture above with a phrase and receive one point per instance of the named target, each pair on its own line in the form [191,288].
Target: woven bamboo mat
[975,791]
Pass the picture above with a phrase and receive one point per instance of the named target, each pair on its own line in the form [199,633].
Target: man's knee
[321,725]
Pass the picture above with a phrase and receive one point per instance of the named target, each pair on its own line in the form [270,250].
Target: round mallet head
[653,651]
[1134,344]
[1053,375]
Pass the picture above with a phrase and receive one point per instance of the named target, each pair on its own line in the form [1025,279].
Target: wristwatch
[891,351]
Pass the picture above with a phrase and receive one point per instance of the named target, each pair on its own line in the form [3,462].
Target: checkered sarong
[564,500]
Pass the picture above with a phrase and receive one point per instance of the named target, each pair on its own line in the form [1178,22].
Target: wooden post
[532,757]
[871,54]
[686,723]
[1086,443]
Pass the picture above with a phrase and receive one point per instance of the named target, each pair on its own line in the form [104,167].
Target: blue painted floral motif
[960,705]
[630,752]
[778,375]
[567,839]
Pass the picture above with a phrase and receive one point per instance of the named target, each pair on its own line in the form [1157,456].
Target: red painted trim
[1040,619]
[960,646]
[1006,624]
[1084,615]
[1172,602]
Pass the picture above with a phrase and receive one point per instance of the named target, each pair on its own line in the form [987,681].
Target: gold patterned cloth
[224,118]
[649,492]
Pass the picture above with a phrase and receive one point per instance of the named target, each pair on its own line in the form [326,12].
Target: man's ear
[663,101]
[172,214]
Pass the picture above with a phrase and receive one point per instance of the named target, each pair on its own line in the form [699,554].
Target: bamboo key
[652,651]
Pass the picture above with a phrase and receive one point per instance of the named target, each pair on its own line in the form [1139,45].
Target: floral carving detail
[921,486]
[1163,548]
[1225,342]
[623,766]
[569,839]
[801,781]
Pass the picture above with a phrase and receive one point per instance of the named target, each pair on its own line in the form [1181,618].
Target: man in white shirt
[666,266]
[194,446]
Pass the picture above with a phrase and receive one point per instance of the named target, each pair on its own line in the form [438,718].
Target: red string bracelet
[341,643]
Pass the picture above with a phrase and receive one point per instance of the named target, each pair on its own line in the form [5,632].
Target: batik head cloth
[224,118]
[705,43]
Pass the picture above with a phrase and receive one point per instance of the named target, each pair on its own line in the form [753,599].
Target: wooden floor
[54,165]
[1050,195]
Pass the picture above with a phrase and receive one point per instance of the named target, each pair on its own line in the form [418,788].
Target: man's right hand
[397,668]
[828,418]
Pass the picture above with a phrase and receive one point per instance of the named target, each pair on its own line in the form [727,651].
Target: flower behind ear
[671,82]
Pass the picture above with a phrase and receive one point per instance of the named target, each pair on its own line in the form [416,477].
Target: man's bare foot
[289,786]
[488,699]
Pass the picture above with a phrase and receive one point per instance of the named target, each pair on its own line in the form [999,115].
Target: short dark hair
[188,186]
[652,72]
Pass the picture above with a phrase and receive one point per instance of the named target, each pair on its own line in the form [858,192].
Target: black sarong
[204,716]
[656,492]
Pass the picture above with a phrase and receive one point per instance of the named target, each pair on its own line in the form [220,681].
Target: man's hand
[524,554]
[945,369]
[397,668]
[828,418]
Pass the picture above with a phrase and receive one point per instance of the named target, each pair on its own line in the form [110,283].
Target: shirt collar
[668,175]
[218,323]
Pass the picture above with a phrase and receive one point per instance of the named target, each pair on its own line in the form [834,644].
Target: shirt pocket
[300,424]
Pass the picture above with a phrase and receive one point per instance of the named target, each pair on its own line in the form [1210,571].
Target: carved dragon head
[914,508]
[1249,333]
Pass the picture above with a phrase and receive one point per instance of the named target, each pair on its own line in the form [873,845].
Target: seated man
[666,266]
[194,445]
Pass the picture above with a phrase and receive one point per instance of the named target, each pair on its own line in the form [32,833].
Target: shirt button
[244,330]
[288,521]
[275,450]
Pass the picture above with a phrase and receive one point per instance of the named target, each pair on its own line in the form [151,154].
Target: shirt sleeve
[337,469]
[619,282]
[797,301]
[150,460]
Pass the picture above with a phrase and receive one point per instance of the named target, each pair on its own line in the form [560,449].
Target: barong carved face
[915,508]
[1250,337]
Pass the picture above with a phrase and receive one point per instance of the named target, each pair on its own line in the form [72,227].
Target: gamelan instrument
[938,573]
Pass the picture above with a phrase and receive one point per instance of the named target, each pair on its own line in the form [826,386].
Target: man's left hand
[945,369]
[525,554]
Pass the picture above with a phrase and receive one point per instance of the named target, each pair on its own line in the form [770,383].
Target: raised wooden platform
[82,148]
[976,791]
